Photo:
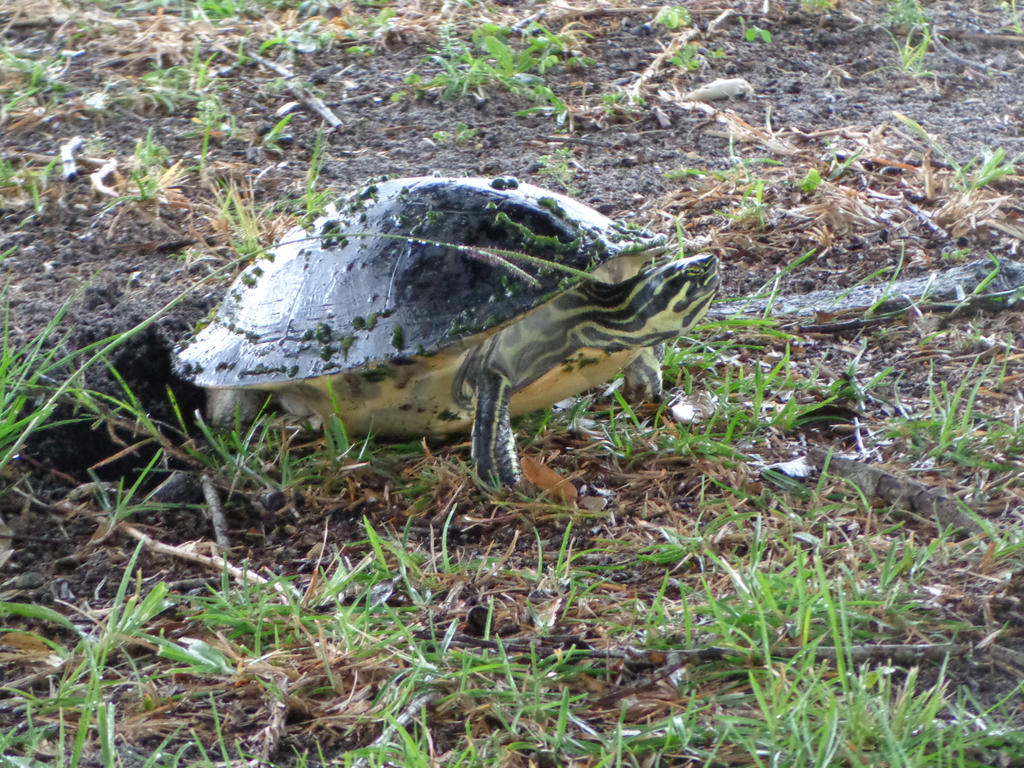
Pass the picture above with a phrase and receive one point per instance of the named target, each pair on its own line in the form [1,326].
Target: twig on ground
[912,496]
[984,37]
[583,13]
[720,19]
[965,288]
[216,513]
[936,39]
[899,653]
[926,219]
[185,552]
[210,561]
[313,102]
[573,140]
[678,41]
[854,324]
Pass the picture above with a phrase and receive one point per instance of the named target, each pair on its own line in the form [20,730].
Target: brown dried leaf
[548,480]
[26,641]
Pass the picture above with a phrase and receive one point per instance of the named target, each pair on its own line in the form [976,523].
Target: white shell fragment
[286,108]
[721,89]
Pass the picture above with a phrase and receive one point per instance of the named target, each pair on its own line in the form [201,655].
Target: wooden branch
[910,495]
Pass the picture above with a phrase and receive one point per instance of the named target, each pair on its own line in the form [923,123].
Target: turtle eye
[697,269]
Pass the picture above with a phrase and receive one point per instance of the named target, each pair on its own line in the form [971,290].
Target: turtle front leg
[494,447]
[643,376]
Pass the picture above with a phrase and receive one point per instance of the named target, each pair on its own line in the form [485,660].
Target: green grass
[491,61]
[990,166]
[498,697]
[1013,15]
[29,79]
[713,613]
[764,574]
[560,168]
[907,14]
[708,608]
[913,49]
[26,396]
[25,184]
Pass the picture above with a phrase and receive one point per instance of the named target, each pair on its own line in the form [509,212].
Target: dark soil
[826,91]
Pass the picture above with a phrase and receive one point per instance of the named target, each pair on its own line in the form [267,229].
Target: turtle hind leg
[226,406]
[494,447]
[643,376]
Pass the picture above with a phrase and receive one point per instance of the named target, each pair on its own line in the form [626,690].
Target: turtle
[429,305]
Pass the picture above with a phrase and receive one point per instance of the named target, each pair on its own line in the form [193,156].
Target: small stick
[681,39]
[243,575]
[936,40]
[984,37]
[720,19]
[314,102]
[216,512]
[926,218]
[573,140]
[583,13]
[152,545]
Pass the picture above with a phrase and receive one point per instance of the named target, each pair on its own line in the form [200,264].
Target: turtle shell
[401,268]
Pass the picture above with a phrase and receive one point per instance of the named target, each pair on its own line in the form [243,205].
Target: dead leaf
[26,641]
[546,479]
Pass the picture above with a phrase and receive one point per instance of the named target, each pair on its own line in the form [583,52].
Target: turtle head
[673,297]
[651,307]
